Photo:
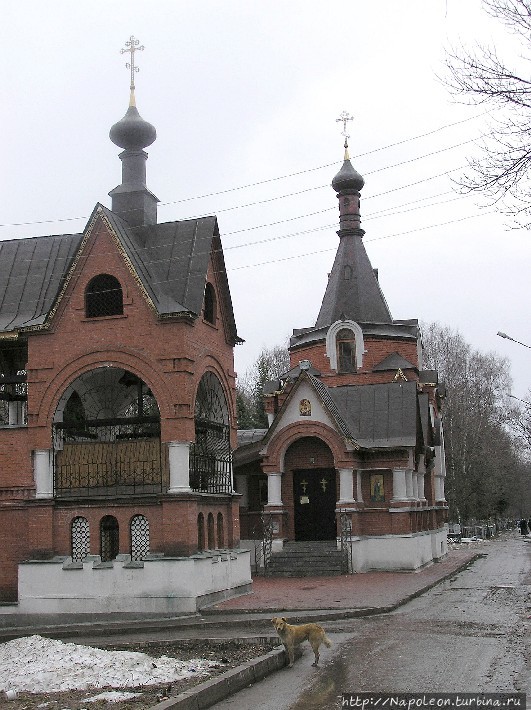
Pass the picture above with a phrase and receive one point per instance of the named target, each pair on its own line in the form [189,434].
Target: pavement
[248,617]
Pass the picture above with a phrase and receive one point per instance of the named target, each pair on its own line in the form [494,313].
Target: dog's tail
[327,642]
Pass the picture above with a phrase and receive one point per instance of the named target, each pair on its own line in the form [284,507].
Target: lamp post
[508,337]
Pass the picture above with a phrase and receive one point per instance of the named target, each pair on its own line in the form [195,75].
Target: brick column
[359,493]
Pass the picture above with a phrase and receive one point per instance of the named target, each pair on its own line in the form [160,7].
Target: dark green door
[314,493]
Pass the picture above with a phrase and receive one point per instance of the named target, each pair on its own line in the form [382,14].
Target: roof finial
[132,46]
[344,116]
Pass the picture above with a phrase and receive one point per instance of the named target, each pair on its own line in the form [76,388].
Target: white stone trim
[43,473]
[274,489]
[331,345]
[346,483]
[179,460]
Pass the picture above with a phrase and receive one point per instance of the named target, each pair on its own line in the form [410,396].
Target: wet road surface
[468,634]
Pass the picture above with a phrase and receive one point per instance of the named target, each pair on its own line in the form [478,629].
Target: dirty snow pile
[40,665]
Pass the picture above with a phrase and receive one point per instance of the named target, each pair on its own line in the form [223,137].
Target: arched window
[200,532]
[210,532]
[139,530]
[80,539]
[209,308]
[221,531]
[109,538]
[103,297]
[346,351]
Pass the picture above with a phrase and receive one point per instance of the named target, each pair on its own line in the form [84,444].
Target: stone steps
[306,559]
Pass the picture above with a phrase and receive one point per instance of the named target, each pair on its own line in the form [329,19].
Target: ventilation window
[346,351]
[80,539]
[104,297]
[209,308]
[139,537]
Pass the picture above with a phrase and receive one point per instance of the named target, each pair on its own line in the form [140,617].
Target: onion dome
[132,132]
[347,178]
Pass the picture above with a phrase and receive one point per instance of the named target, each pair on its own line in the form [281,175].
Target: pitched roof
[170,260]
[379,416]
[394,361]
[31,274]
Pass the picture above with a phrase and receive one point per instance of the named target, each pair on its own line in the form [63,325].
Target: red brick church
[122,485]
[354,448]
[117,414]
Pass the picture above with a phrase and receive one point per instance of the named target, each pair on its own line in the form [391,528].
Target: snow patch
[40,665]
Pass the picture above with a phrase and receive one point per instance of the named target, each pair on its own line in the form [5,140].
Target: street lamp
[508,337]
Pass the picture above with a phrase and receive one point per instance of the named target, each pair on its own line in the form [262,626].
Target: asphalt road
[468,634]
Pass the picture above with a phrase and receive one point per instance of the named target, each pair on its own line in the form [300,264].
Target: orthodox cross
[323,483]
[344,117]
[304,485]
[132,46]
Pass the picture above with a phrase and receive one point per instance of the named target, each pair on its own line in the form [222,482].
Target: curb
[213,691]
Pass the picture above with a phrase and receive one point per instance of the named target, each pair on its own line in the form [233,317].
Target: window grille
[80,539]
[103,297]
[139,537]
[109,538]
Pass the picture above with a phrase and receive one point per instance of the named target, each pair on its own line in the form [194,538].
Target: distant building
[354,449]
[117,409]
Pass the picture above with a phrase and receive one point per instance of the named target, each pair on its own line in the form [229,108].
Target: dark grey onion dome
[132,132]
[347,178]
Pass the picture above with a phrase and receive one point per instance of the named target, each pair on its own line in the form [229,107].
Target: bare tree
[482,459]
[270,364]
[481,76]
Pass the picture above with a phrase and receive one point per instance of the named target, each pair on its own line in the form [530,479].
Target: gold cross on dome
[132,46]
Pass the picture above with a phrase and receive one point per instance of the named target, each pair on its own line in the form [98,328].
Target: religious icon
[305,408]
[377,488]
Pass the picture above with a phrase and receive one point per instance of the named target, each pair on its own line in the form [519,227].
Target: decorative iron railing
[211,458]
[109,457]
[345,521]
[263,546]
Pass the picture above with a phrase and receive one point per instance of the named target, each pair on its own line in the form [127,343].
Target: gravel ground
[225,654]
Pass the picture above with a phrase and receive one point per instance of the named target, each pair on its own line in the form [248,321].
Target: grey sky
[245,93]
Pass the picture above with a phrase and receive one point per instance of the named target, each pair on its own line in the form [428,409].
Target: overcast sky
[244,95]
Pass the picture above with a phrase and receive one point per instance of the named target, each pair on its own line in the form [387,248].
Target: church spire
[132,200]
[353,291]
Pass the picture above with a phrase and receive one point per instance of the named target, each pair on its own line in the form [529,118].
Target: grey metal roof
[394,361]
[31,275]
[379,416]
[353,291]
[170,259]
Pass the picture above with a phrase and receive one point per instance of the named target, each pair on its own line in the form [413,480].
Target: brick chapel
[354,450]
[117,408]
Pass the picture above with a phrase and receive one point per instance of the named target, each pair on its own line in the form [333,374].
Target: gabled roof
[169,259]
[394,361]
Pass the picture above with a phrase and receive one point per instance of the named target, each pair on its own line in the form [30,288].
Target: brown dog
[291,636]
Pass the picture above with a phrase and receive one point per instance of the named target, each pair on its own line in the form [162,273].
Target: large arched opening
[106,436]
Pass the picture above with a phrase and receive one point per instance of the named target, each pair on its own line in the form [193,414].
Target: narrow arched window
[221,531]
[200,532]
[346,351]
[210,532]
[109,538]
[209,307]
[80,539]
[139,530]
[103,297]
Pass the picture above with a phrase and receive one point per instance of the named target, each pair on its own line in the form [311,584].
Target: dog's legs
[315,647]
[290,652]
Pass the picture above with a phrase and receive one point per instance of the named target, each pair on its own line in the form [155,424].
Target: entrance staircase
[306,559]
